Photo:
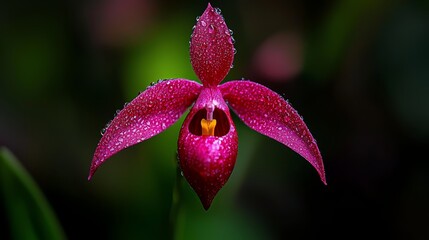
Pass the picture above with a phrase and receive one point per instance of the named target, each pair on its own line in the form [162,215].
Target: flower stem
[175,205]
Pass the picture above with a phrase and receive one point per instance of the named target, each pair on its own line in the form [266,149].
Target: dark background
[357,71]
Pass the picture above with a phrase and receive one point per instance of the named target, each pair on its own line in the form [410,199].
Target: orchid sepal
[211,48]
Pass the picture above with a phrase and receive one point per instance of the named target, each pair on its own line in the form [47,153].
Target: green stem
[175,205]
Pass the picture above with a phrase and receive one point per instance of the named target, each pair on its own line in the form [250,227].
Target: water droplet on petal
[227,32]
[203,23]
[197,18]
[211,28]
[231,40]
[235,51]
[218,11]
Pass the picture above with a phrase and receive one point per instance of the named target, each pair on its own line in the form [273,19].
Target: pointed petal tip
[321,171]
[91,173]
[207,202]
[206,207]
[324,180]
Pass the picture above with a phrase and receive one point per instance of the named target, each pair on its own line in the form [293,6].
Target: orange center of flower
[208,127]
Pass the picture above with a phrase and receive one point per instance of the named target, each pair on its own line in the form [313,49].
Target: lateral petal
[211,49]
[150,113]
[268,113]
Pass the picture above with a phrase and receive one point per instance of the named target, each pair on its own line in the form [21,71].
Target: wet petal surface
[207,161]
[212,50]
[269,114]
[150,113]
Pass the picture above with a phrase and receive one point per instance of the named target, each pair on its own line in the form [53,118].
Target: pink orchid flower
[208,140]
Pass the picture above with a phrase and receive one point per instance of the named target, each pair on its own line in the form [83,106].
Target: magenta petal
[212,50]
[268,113]
[208,161]
[150,113]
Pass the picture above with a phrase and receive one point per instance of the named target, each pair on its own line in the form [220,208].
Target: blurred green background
[357,70]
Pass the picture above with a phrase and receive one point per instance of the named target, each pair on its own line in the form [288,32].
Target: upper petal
[211,49]
[268,113]
[150,113]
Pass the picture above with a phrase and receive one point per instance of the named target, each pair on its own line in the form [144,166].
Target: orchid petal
[208,161]
[269,114]
[150,113]
[211,49]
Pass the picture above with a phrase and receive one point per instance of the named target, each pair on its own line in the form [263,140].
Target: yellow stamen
[208,127]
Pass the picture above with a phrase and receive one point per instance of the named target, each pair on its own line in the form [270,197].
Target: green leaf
[29,214]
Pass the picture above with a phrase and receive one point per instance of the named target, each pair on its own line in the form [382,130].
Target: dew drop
[203,23]
[218,11]
[103,131]
[227,32]
[232,66]
[197,18]
[211,28]
[235,50]
[231,40]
